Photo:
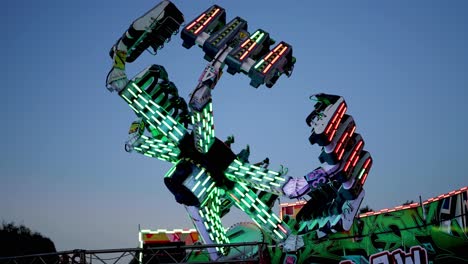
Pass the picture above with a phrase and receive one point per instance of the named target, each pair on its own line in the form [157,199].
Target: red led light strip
[250,40]
[248,51]
[292,204]
[353,154]
[401,207]
[340,143]
[334,118]
[234,197]
[337,123]
[195,22]
[343,150]
[207,21]
[279,55]
[245,42]
[367,163]
[275,59]
[253,45]
[340,155]
[334,122]
[344,139]
[364,177]
[282,51]
[356,158]
[352,132]
[414,205]
[282,229]
[273,51]
[269,55]
[267,68]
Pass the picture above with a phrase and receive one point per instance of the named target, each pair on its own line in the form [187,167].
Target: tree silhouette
[365,209]
[20,240]
[408,202]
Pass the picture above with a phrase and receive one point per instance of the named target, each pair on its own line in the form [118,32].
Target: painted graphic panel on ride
[207,177]
[436,232]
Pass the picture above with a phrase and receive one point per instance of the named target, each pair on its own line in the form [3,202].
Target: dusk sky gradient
[402,67]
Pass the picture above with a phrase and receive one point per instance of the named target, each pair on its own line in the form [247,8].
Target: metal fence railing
[250,252]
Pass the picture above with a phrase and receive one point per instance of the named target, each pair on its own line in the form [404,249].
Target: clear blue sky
[401,66]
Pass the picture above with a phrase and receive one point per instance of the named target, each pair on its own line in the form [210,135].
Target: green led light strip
[260,38]
[260,178]
[203,128]
[255,34]
[204,184]
[212,221]
[153,113]
[157,148]
[274,54]
[245,199]
[249,45]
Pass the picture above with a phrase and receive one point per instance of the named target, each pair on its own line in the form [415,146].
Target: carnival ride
[207,177]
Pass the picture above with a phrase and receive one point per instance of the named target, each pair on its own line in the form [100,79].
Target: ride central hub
[208,169]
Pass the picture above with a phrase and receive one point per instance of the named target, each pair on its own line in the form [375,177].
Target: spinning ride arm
[154,99]
[335,189]
[150,94]
[202,106]
[152,29]
[229,43]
